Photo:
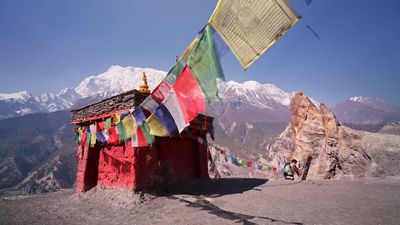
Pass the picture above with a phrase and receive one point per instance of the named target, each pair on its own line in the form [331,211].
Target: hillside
[35,150]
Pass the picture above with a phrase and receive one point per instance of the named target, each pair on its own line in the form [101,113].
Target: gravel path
[225,201]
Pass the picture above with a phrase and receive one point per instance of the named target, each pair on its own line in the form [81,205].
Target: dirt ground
[225,201]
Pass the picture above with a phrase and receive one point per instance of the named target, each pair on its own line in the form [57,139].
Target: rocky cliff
[337,151]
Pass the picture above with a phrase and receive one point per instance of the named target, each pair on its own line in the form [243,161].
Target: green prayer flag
[146,131]
[173,73]
[88,138]
[205,64]
[121,132]
[77,137]
[107,123]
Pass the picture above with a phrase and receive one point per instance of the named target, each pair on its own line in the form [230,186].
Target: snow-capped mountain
[21,96]
[255,94]
[366,111]
[115,80]
[17,104]
[119,79]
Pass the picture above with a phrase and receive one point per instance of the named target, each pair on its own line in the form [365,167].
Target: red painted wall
[169,160]
[87,168]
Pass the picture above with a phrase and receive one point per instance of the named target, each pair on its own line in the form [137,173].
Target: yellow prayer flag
[116,118]
[156,127]
[250,27]
[92,140]
[129,125]
[93,129]
[189,50]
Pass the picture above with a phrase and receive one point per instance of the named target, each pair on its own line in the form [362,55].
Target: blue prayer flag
[166,119]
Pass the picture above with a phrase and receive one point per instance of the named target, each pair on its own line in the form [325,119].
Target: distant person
[290,169]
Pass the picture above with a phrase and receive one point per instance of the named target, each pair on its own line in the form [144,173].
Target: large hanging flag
[156,127]
[171,102]
[205,64]
[191,98]
[129,125]
[251,27]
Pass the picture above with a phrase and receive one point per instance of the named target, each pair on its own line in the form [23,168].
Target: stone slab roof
[104,108]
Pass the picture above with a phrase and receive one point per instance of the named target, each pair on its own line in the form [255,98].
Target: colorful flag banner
[205,65]
[249,28]
[171,102]
[166,119]
[156,127]
[189,94]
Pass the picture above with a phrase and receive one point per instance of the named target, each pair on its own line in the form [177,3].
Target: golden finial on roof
[144,87]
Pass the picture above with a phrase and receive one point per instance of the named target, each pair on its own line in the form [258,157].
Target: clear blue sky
[46,45]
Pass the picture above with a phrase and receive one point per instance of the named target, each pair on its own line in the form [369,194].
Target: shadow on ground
[212,188]
[202,204]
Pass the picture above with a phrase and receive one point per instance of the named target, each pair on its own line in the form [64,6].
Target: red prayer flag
[274,169]
[141,139]
[249,164]
[83,138]
[113,135]
[100,126]
[190,96]
[161,91]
